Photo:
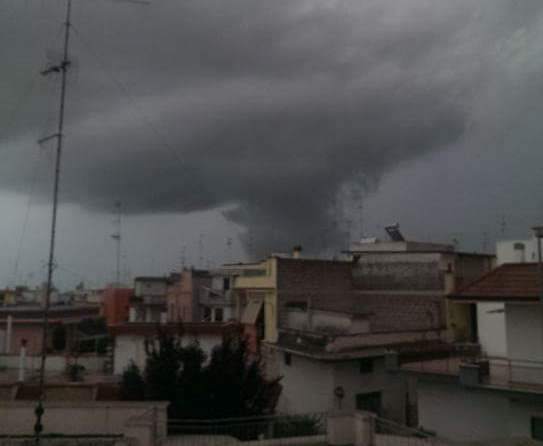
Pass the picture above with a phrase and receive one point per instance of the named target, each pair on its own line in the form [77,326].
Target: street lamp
[538,233]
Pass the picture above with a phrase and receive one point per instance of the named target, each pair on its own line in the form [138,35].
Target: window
[537,428]
[366,366]
[207,314]
[226,284]
[219,315]
[287,357]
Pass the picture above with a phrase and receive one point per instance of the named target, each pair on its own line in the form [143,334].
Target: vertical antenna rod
[117,237]
[63,69]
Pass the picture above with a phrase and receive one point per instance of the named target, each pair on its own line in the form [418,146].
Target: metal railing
[253,428]
[495,371]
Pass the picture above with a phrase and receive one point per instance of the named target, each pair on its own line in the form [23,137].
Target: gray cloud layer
[271,107]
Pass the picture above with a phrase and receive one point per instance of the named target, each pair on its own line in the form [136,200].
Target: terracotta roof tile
[508,282]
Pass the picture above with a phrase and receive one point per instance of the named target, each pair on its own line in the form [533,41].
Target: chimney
[296,251]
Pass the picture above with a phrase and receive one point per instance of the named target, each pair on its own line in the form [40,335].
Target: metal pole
[63,68]
[117,237]
[539,267]
[538,232]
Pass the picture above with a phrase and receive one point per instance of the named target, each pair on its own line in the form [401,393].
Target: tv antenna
[183,257]
[61,68]
[229,249]
[503,226]
[201,251]
[117,237]
[361,219]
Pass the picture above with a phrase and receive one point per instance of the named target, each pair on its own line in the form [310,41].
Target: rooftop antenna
[361,219]
[229,249]
[349,224]
[201,251]
[183,257]
[61,68]
[503,226]
[250,244]
[484,243]
[117,237]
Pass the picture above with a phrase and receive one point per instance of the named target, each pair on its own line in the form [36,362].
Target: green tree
[190,398]
[237,383]
[132,384]
[164,356]
[231,385]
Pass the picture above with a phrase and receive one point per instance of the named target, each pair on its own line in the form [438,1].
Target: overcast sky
[272,123]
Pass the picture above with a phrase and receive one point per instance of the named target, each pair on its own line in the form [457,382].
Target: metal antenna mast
[229,249]
[201,251]
[61,68]
[117,237]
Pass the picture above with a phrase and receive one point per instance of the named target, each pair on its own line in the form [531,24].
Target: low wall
[395,440]
[83,417]
[54,363]
[225,440]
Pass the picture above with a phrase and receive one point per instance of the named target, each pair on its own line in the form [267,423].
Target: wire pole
[62,68]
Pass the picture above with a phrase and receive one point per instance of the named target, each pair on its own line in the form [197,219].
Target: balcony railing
[499,372]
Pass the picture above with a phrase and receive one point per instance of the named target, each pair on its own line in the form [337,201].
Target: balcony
[490,372]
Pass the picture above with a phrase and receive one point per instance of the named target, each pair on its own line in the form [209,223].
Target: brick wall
[322,284]
[398,275]
[302,274]
[389,312]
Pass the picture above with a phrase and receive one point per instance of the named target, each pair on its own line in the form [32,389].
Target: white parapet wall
[54,363]
[126,418]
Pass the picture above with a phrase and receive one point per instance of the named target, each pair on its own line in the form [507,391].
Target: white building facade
[497,397]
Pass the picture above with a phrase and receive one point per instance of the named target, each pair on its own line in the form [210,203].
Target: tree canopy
[230,384]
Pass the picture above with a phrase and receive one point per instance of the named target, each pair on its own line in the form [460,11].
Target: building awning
[251,312]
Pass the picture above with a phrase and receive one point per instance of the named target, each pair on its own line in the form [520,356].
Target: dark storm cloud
[268,107]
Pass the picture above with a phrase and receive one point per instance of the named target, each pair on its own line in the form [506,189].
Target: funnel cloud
[287,113]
